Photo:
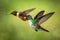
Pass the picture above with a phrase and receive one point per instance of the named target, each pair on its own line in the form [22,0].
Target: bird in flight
[22,15]
[39,19]
[36,21]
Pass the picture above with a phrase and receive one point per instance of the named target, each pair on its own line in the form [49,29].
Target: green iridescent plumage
[38,19]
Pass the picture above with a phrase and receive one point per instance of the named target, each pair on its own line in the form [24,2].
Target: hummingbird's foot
[36,30]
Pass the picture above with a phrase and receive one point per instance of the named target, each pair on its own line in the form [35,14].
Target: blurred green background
[13,28]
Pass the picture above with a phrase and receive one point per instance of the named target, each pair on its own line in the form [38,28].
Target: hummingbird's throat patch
[17,14]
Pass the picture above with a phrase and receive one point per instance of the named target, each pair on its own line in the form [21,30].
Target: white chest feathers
[31,24]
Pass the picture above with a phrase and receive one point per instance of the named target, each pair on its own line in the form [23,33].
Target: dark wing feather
[44,18]
[27,11]
[39,14]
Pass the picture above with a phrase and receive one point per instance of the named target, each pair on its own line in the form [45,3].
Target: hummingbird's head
[29,17]
[14,13]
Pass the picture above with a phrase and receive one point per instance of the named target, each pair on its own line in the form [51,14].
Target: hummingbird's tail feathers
[44,29]
[28,11]
[39,14]
[44,18]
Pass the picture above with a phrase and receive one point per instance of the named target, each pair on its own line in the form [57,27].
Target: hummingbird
[22,15]
[39,19]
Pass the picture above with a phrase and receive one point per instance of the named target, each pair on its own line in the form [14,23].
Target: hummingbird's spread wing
[39,14]
[27,11]
[44,18]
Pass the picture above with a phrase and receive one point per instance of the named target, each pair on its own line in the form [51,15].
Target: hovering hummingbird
[22,15]
[39,19]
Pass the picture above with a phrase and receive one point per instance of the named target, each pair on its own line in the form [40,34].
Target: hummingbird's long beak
[9,14]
